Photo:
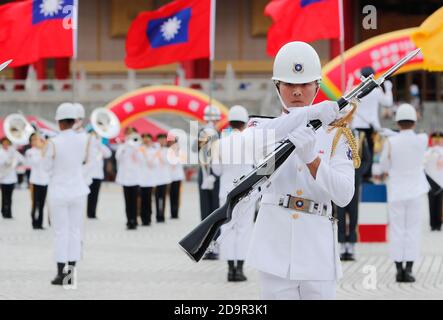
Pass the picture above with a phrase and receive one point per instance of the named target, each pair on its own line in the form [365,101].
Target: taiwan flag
[34,29]
[301,20]
[178,31]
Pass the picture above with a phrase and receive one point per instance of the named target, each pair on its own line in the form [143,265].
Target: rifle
[198,240]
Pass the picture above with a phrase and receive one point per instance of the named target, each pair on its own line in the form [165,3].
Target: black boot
[239,276]
[408,277]
[400,272]
[231,271]
[58,280]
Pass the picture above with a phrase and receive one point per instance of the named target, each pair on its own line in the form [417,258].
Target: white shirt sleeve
[49,154]
[120,152]
[385,161]
[107,153]
[385,98]
[337,177]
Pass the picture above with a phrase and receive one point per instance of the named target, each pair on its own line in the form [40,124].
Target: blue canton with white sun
[43,10]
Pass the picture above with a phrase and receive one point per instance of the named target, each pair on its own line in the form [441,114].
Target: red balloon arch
[159,99]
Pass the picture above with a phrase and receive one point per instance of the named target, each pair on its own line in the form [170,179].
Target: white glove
[208,182]
[388,85]
[304,141]
[325,111]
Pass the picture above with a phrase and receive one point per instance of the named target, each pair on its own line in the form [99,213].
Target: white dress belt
[296,203]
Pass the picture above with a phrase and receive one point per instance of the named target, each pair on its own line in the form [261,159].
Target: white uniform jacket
[129,160]
[163,168]
[97,153]
[236,233]
[176,171]
[9,159]
[403,158]
[35,160]
[302,246]
[148,174]
[64,159]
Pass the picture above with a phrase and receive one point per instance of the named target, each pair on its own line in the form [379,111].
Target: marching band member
[294,242]
[402,158]
[129,160]
[434,174]
[67,190]
[208,183]
[9,159]
[147,178]
[236,233]
[177,175]
[38,179]
[96,155]
[163,177]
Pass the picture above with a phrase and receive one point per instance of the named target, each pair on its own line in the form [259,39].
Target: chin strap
[284,104]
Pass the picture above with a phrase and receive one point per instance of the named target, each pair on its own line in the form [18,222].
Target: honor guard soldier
[434,174]
[347,237]
[402,159]
[163,177]
[294,241]
[367,115]
[38,179]
[129,159]
[229,165]
[9,159]
[67,190]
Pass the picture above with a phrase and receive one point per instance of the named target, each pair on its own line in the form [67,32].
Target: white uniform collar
[407,131]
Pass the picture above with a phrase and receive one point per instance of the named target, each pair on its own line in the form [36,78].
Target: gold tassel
[342,126]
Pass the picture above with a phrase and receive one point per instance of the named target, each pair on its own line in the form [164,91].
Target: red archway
[170,99]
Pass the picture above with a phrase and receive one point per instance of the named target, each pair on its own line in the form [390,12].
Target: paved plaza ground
[148,264]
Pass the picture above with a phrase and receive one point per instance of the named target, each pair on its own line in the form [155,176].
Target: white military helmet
[406,112]
[297,62]
[238,113]
[66,111]
[211,113]
[80,110]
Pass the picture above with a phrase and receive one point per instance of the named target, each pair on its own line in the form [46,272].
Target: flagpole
[342,45]
[74,48]
[211,51]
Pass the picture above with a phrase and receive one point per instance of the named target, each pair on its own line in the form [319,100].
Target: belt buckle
[299,204]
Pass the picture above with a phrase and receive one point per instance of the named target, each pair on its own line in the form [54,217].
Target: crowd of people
[290,231]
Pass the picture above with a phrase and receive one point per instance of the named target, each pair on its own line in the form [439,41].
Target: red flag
[31,30]
[178,31]
[302,20]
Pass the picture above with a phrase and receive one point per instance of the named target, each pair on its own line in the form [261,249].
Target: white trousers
[67,217]
[236,234]
[404,229]
[276,288]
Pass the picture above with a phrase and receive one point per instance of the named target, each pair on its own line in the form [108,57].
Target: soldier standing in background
[402,158]
[434,174]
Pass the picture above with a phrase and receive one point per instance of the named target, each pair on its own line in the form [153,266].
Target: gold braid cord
[343,129]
